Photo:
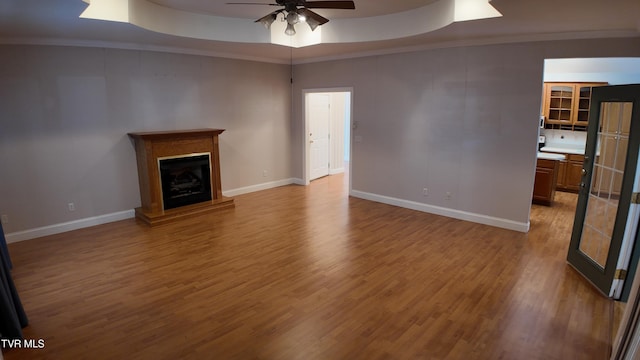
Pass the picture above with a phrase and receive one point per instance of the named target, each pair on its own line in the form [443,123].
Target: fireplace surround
[178,174]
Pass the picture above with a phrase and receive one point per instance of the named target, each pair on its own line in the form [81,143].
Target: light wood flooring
[309,273]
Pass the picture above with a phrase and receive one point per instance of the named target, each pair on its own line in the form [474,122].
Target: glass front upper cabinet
[566,105]
[560,104]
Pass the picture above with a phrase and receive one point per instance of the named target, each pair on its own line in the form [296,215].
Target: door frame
[306,162]
[602,279]
[626,343]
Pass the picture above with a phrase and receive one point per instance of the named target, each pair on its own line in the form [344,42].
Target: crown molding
[478,42]
[353,55]
[136,46]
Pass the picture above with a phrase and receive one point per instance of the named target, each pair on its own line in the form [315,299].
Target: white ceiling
[57,22]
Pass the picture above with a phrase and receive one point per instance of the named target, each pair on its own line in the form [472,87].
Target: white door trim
[628,239]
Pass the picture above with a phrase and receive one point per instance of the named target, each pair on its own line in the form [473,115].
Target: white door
[319,135]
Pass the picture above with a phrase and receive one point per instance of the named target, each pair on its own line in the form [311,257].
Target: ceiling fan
[295,11]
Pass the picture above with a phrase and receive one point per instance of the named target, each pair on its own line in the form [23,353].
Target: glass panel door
[608,179]
[608,172]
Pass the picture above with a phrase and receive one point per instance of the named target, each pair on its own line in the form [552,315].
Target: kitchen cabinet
[570,173]
[566,105]
[544,187]
[573,176]
[562,170]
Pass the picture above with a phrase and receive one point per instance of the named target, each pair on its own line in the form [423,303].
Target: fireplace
[185,180]
[178,174]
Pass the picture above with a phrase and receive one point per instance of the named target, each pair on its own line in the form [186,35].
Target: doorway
[608,71]
[612,71]
[327,133]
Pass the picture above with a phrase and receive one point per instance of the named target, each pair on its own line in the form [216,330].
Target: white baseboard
[336,171]
[122,215]
[68,226]
[259,187]
[128,214]
[452,213]
[298,181]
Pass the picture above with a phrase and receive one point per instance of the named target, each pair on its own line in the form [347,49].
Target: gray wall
[459,120]
[65,113]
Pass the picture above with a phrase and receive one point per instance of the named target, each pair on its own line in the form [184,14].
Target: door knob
[584,172]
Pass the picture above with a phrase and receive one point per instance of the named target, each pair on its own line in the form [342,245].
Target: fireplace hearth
[178,174]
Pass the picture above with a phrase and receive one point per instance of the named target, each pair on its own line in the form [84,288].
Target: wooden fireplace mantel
[158,144]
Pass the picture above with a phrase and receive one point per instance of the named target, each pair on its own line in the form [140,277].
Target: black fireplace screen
[185,180]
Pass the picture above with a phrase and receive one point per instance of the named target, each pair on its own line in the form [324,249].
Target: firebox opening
[185,179]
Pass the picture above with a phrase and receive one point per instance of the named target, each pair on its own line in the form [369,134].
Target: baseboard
[258,187]
[336,171]
[299,182]
[122,215]
[68,226]
[128,214]
[452,213]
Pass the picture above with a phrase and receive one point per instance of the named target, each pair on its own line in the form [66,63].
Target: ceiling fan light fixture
[290,29]
[294,11]
[292,18]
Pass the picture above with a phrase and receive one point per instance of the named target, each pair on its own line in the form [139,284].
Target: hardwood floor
[309,273]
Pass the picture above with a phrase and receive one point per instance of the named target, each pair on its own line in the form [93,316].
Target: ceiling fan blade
[268,19]
[348,5]
[250,3]
[316,18]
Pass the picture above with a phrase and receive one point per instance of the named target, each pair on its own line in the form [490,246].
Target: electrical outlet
[71,206]
[264,173]
[447,196]
[425,192]
[5,219]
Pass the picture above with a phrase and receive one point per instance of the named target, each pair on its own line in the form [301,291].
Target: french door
[606,220]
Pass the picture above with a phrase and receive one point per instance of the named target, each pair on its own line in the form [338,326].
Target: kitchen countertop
[550,156]
[563,150]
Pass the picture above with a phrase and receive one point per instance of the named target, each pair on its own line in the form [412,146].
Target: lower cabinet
[570,173]
[544,187]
